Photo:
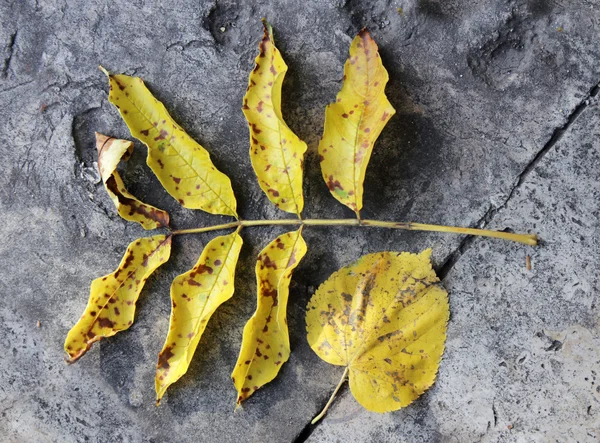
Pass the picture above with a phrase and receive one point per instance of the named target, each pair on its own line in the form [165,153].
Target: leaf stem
[527,239]
[337,388]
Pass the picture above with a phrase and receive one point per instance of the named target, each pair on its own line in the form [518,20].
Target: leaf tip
[364,33]
[267,27]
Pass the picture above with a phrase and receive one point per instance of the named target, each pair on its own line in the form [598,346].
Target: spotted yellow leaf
[384,318]
[195,295]
[110,152]
[183,166]
[265,342]
[354,121]
[111,306]
[277,154]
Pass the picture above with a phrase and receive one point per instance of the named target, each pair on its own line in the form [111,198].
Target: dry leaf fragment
[265,342]
[354,121]
[277,154]
[110,152]
[195,295]
[384,318]
[111,306]
[183,167]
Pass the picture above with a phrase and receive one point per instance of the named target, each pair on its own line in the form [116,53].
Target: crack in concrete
[307,431]
[484,221]
[11,51]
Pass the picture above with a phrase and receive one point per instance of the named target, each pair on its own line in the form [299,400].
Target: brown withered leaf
[110,152]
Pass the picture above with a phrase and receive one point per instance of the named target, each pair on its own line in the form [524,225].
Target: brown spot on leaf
[267,262]
[162,135]
[332,185]
[176,179]
[163,358]
[201,269]
[105,323]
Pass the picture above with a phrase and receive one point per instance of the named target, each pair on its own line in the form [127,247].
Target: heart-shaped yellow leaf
[277,154]
[111,306]
[183,167]
[265,343]
[384,318]
[110,152]
[354,121]
[195,296]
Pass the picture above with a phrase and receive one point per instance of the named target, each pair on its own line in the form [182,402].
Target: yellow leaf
[195,295]
[111,306]
[384,318]
[110,152]
[277,154]
[265,342]
[354,121]
[183,166]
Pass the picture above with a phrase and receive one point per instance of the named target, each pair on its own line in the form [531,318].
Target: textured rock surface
[483,90]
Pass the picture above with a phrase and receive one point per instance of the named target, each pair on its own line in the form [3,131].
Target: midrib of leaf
[415,340]
[286,172]
[354,179]
[298,236]
[279,119]
[196,327]
[363,347]
[153,128]
[124,280]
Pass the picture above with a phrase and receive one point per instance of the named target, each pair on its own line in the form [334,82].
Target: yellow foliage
[354,121]
[183,166]
[195,295]
[111,306]
[265,342]
[277,154]
[384,318]
[110,152]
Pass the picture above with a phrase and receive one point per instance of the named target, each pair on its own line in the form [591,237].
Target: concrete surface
[497,126]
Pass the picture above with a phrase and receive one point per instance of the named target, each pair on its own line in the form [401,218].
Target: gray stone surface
[483,89]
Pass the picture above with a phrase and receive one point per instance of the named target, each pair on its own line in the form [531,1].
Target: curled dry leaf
[277,154]
[195,295]
[111,306]
[384,318]
[183,166]
[354,121]
[265,342]
[110,152]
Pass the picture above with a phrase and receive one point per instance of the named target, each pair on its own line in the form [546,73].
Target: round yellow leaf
[384,317]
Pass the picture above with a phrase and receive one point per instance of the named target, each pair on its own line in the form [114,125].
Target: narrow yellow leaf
[354,121]
[265,342]
[183,166]
[195,295]
[110,152]
[277,154]
[111,306]
[384,318]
